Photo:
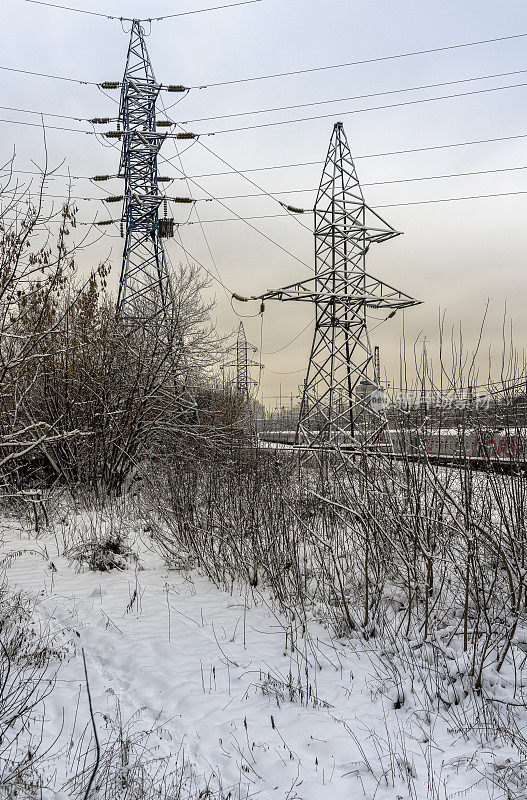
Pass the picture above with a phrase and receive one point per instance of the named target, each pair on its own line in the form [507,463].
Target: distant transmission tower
[145,289]
[336,398]
[376,366]
[243,362]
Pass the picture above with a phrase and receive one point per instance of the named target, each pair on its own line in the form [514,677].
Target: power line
[249,180]
[451,199]
[298,191]
[448,175]
[204,234]
[258,77]
[364,61]
[200,10]
[285,346]
[276,216]
[238,217]
[345,113]
[368,155]
[204,268]
[382,183]
[385,205]
[363,110]
[77,10]
[358,96]
[272,195]
[290,107]
[288,372]
[43,113]
[47,127]
[47,75]
[145,19]
[304,119]
[301,163]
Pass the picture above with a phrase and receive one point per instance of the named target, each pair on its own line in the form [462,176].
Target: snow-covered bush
[101,538]
[134,765]
[109,552]
[29,658]
[380,549]
[86,399]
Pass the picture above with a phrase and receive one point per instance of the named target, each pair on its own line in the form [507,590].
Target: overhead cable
[304,163]
[451,199]
[242,219]
[47,75]
[200,10]
[47,127]
[144,19]
[367,155]
[275,216]
[384,205]
[364,110]
[249,180]
[365,61]
[275,75]
[103,120]
[332,115]
[358,96]
[44,113]
[313,189]
[195,210]
[285,346]
[381,183]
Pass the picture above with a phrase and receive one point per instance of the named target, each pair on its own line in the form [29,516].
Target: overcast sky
[454,256]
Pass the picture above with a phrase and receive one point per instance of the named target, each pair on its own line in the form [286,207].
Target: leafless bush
[86,398]
[421,559]
[29,659]
[139,761]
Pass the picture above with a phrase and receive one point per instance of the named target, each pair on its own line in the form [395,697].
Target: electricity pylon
[243,362]
[376,366]
[336,403]
[145,290]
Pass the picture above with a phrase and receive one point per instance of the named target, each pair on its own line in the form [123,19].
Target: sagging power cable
[242,172]
[145,19]
[357,96]
[360,62]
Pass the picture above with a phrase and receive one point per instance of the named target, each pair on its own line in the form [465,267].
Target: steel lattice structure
[336,398]
[376,366]
[144,289]
[243,381]
[240,363]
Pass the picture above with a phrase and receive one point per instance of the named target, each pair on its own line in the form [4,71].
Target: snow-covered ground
[255,706]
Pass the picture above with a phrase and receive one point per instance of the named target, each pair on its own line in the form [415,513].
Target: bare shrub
[139,761]
[29,659]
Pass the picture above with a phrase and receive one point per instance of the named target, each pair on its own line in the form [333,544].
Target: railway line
[503,452]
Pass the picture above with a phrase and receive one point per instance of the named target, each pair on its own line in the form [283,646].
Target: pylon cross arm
[373,293]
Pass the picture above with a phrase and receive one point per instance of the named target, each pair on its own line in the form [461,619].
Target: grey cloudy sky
[453,255]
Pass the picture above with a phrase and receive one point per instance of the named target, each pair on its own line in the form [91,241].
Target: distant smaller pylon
[242,362]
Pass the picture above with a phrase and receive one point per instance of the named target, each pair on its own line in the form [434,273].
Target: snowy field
[221,691]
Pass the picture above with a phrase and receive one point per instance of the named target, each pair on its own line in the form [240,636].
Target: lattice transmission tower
[145,289]
[336,402]
[376,366]
[241,361]
[244,382]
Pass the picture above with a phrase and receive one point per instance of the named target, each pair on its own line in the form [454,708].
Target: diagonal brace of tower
[145,289]
[335,403]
